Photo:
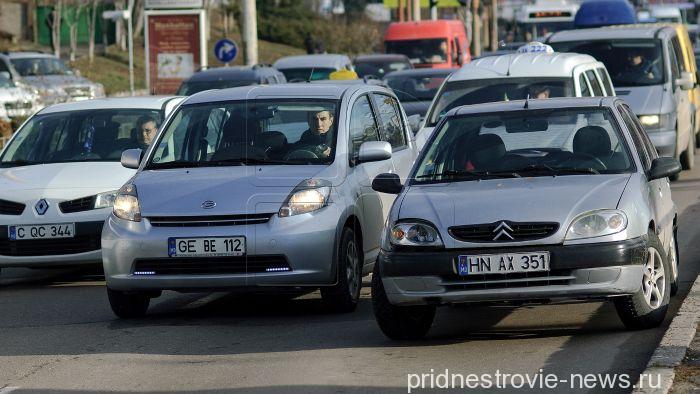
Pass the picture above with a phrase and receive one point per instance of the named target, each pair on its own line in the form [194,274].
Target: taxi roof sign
[342,75]
[535,47]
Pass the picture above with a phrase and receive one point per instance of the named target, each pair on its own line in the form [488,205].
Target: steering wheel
[300,154]
[585,157]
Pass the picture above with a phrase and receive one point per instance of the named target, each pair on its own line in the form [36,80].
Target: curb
[673,346]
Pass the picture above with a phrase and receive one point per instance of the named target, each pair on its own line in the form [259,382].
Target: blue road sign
[225,50]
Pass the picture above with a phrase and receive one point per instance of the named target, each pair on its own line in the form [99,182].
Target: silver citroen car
[258,187]
[530,201]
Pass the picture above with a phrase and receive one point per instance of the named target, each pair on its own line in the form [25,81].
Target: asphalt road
[58,334]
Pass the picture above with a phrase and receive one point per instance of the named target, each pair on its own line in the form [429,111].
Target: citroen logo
[209,204]
[41,206]
[503,230]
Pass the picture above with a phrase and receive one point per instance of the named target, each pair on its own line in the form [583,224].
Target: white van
[538,73]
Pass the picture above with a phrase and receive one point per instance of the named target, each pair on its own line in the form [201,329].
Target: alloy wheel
[654,284]
[351,263]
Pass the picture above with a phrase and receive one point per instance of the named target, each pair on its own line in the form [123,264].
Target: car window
[3,66]
[635,133]
[650,148]
[606,81]
[585,92]
[595,86]
[675,66]
[391,127]
[678,52]
[363,125]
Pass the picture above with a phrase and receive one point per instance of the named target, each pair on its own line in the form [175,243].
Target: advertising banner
[175,48]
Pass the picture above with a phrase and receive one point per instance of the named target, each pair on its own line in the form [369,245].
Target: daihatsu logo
[503,230]
[209,204]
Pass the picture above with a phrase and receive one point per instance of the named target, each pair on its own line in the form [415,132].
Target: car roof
[235,72]
[290,90]
[28,54]
[140,102]
[325,61]
[643,31]
[375,57]
[559,64]
[519,105]
[422,72]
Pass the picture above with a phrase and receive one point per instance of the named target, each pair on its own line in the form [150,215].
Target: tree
[138,17]
[72,19]
[54,21]
[92,23]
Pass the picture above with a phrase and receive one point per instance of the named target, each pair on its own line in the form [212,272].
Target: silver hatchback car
[530,201]
[258,187]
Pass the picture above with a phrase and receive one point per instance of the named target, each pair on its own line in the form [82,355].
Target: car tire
[648,306]
[674,263]
[345,294]
[128,305]
[399,322]
[688,157]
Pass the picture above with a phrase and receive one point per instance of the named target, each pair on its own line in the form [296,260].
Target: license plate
[206,247]
[41,231]
[503,263]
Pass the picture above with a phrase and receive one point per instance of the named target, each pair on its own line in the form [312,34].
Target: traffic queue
[535,176]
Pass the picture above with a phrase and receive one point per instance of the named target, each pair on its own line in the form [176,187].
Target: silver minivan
[645,63]
[529,202]
[258,187]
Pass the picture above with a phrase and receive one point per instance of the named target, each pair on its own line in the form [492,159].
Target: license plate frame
[29,232]
[194,243]
[503,263]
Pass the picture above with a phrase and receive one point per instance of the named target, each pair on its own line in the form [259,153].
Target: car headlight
[655,122]
[414,234]
[105,200]
[310,195]
[597,224]
[126,204]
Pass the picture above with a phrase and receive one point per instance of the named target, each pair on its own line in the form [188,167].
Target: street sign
[225,50]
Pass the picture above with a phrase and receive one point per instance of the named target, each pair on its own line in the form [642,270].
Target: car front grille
[78,91]
[211,265]
[209,221]
[78,205]
[50,247]
[503,231]
[11,208]
[510,280]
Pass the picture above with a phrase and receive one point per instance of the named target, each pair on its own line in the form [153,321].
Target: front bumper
[576,271]
[304,243]
[665,142]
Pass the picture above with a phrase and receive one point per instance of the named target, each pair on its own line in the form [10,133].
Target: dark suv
[229,77]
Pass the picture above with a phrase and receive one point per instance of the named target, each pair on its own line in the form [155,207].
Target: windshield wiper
[248,161]
[178,164]
[545,169]
[466,174]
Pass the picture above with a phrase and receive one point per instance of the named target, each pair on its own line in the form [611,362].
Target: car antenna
[527,98]
[311,74]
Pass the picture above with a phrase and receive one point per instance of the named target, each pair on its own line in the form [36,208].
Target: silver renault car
[258,187]
[530,201]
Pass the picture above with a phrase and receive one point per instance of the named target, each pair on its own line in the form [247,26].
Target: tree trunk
[138,17]
[92,23]
[56,28]
[120,27]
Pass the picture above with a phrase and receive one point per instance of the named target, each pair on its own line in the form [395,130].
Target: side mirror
[131,158]
[685,82]
[374,151]
[664,167]
[414,122]
[387,183]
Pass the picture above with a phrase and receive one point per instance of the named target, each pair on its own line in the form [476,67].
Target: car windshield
[478,91]
[415,87]
[192,87]
[379,68]
[29,67]
[278,131]
[525,143]
[629,62]
[6,82]
[307,74]
[425,51]
[89,135]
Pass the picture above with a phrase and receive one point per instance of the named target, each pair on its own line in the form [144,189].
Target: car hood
[14,94]
[643,100]
[52,81]
[62,180]
[537,199]
[234,189]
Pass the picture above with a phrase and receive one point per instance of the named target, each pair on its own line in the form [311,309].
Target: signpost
[225,50]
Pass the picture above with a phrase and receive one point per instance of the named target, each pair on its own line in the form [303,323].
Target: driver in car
[637,64]
[317,135]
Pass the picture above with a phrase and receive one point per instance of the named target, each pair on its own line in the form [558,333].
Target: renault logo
[503,230]
[41,207]
[209,204]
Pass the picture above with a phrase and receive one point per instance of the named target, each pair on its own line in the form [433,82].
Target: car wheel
[673,262]
[128,305]
[399,322]
[344,295]
[647,307]
[688,157]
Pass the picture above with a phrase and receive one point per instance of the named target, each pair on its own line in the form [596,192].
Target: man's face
[635,59]
[320,122]
[543,94]
[148,131]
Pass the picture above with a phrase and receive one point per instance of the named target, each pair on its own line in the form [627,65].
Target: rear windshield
[629,62]
[379,69]
[415,87]
[478,91]
[307,74]
[192,87]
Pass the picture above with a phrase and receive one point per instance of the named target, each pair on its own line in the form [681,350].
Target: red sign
[174,50]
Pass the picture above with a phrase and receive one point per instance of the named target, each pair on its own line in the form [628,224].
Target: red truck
[434,44]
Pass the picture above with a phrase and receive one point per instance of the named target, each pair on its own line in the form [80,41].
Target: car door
[393,130]
[374,206]
[683,108]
